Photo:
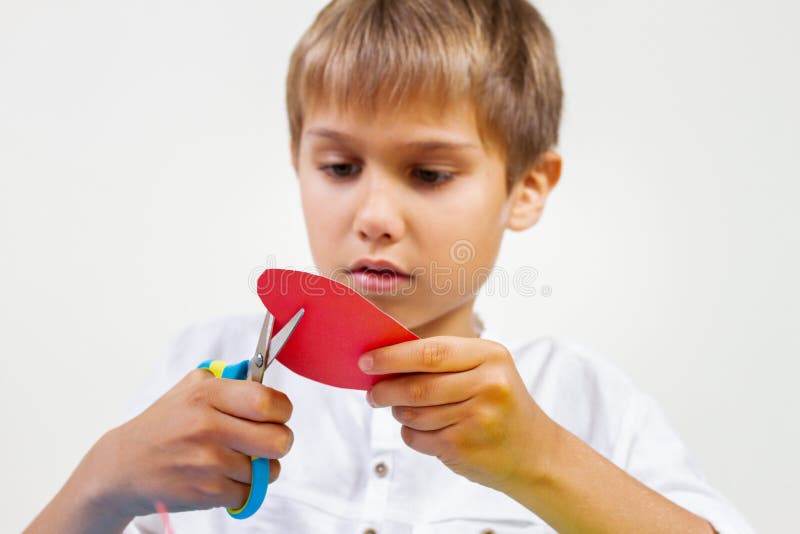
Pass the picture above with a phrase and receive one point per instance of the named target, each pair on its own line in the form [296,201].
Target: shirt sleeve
[653,452]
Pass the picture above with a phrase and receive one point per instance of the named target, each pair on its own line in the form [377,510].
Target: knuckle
[485,418]
[491,426]
[210,489]
[206,458]
[204,427]
[200,393]
[433,354]
[499,351]
[273,404]
[196,375]
[416,391]
[499,387]
[200,465]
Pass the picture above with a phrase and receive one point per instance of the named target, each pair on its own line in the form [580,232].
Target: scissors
[267,350]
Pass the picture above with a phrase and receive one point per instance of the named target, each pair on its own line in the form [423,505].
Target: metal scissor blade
[255,370]
[282,336]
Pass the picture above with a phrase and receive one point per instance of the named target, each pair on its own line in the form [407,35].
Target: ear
[528,195]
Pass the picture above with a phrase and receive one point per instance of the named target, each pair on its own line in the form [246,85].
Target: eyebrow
[424,145]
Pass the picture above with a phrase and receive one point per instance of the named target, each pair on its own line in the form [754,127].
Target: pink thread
[161,508]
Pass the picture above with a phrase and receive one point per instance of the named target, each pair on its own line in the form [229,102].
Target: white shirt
[331,482]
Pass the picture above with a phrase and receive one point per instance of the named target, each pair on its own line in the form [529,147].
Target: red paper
[338,326]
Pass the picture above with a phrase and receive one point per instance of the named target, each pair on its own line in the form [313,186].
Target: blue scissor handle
[260,466]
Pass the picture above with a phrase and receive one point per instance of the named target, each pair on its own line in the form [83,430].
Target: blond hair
[373,54]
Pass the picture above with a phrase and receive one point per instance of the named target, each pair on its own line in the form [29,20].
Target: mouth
[378,275]
[378,266]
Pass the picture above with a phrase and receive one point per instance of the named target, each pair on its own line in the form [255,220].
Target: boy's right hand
[191,449]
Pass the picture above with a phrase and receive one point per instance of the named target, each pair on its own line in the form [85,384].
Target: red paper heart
[338,326]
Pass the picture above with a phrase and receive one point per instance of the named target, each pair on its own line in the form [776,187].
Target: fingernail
[370,399]
[365,362]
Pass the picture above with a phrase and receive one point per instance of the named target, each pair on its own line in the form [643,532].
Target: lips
[379,276]
[378,266]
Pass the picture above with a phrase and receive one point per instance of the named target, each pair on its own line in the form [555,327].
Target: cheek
[311,205]
[461,242]
[323,224]
[316,200]
[463,227]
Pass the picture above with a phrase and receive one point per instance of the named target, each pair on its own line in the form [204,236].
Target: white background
[144,175]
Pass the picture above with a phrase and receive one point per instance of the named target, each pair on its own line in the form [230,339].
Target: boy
[416,126]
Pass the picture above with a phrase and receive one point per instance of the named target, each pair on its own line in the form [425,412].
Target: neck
[456,322]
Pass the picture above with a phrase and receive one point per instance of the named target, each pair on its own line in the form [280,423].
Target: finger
[238,492]
[235,493]
[265,440]
[246,399]
[240,467]
[424,389]
[237,465]
[197,375]
[430,355]
[274,469]
[430,417]
[427,442]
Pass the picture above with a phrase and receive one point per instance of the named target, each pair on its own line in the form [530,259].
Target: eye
[341,170]
[433,178]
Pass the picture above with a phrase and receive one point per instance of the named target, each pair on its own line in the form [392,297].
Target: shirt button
[381,470]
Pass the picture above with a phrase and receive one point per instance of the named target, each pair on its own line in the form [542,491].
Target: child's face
[364,182]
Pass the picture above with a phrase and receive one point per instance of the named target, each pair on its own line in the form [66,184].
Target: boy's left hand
[462,400]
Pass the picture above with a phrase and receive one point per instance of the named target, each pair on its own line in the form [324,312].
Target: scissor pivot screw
[259,360]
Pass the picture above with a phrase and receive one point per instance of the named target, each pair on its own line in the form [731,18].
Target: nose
[378,218]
